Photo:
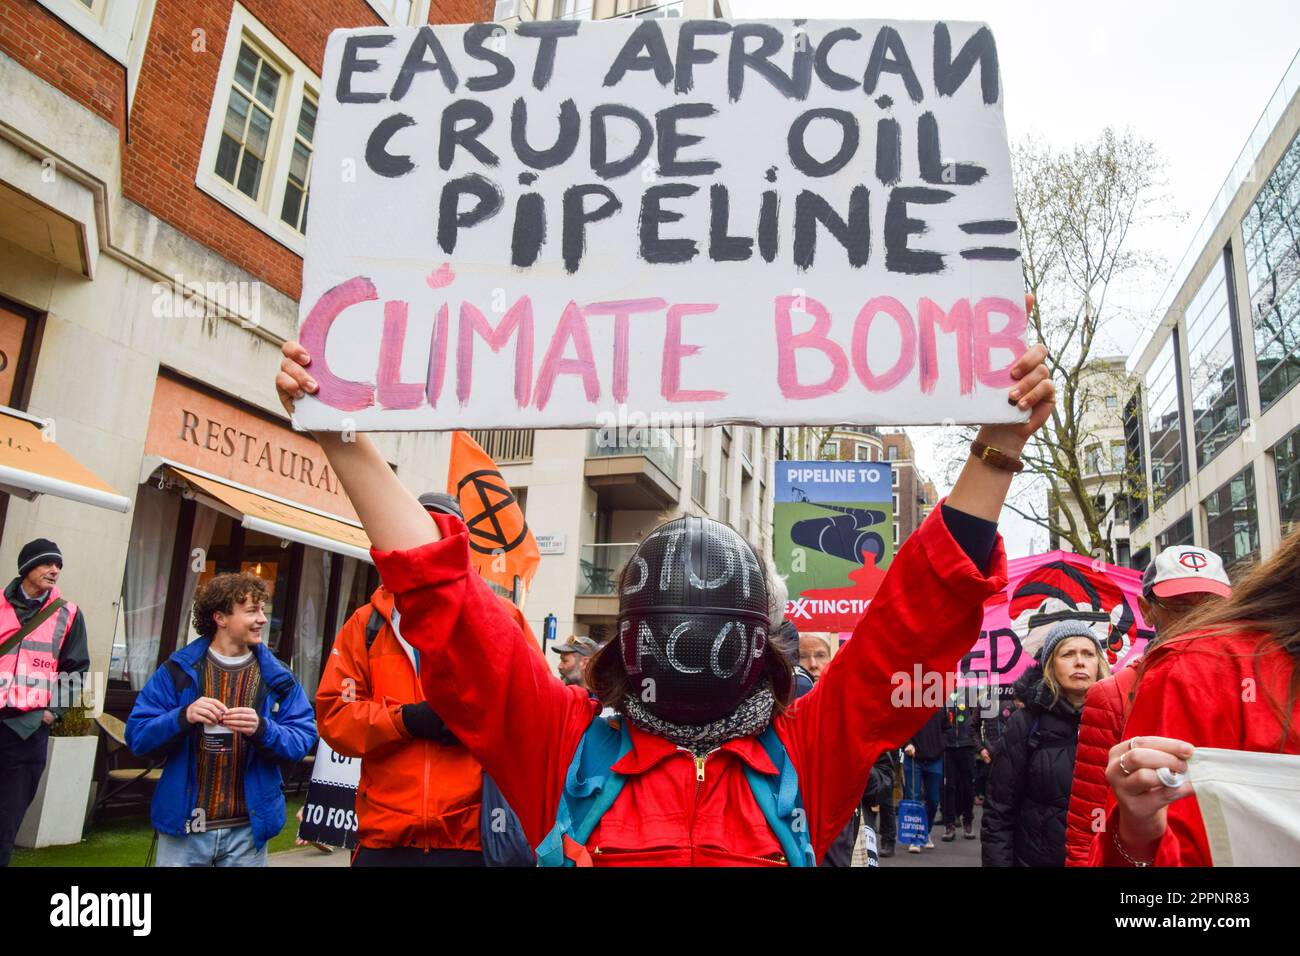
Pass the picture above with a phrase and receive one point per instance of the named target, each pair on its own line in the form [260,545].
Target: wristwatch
[996,457]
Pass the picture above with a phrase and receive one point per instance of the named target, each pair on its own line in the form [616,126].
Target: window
[1232,522]
[1286,460]
[1165,422]
[831,451]
[1179,533]
[1135,472]
[294,208]
[1112,401]
[1117,456]
[662,11]
[573,9]
[1212,360]
[257,153]
[112,25]
[401,13]
[864,452]
[893,453]
[894,478]
[250,113]
[1092,460]
[1271,229]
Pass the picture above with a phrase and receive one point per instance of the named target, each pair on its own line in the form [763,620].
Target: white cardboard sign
[775,222]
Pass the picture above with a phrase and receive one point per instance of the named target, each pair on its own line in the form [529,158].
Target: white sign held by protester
[778,222]
[329,813]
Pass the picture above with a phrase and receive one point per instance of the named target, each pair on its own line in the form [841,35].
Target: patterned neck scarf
[749,719]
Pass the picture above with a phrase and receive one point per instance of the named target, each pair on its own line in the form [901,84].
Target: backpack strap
[781,802]
[590,788]
[373,627]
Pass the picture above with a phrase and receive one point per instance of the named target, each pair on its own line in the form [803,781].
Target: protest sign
[832,538]
[1043,589]
[779,222]
[329,812]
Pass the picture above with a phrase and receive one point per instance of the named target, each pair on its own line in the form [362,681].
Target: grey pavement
[309,856]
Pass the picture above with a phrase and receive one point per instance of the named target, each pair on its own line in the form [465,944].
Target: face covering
[693,619]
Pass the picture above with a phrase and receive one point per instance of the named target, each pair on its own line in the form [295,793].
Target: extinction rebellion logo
[492,526]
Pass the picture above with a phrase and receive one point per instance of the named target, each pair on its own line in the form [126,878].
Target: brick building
[154,172]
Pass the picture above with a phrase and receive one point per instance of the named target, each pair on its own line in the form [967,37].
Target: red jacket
[501,699]
[1100,728]
[1212,691]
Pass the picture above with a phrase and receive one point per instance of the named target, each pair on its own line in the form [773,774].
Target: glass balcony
[598,568]
[656,444]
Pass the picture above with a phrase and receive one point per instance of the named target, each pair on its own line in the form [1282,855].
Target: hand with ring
[1134,774]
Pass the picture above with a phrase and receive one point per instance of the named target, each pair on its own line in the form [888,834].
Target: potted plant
[57,814]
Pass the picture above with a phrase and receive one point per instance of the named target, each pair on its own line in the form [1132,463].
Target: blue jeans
[923,780]
[228,846]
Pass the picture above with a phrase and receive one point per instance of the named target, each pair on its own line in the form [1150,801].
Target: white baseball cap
[1183,569]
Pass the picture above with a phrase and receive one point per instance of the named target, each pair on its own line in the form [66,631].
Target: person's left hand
[241,719]
[47,718]
[1033,391]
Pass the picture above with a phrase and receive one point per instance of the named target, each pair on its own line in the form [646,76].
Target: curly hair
[221,594]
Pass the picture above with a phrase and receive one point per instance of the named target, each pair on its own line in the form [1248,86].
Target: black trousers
[21,765]
[414,856]
[958,785]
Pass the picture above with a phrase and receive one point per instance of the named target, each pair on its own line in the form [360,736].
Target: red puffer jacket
[1100,728]
[501,700]
[1211,690]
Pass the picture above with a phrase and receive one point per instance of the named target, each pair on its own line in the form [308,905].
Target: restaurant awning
[279,518]
[31,464]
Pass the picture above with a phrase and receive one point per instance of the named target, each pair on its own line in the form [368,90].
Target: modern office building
[1215,419]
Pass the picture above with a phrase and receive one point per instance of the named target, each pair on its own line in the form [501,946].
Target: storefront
[225,487]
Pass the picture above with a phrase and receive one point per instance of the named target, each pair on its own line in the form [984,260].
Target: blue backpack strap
[590,788]
[781,802]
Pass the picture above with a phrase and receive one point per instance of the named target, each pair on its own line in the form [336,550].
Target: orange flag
[501,546]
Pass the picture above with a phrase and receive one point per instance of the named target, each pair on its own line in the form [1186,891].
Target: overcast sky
[1192,77]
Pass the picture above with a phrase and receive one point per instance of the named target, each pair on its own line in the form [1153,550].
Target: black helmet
[692,620]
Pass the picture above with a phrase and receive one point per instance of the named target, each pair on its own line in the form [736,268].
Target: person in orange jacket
[420,793]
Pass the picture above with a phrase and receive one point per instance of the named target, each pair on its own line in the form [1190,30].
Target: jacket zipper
[699,791]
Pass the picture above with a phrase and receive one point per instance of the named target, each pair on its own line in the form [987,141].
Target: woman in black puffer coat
[1029,781]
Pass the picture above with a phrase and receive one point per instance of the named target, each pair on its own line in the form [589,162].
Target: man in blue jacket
[226,712]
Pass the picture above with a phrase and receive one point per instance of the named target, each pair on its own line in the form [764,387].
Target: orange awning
[281,519]
[31,465]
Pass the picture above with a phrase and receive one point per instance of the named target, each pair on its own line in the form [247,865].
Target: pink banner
[1043,589]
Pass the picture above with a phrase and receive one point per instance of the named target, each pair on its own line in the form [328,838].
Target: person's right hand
[293,381]
[909,750]
[984,755]
[205,710]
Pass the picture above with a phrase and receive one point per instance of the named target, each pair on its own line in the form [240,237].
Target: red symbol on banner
[1193,560]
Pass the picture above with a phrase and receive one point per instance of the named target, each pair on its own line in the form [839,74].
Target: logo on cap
[1193,560]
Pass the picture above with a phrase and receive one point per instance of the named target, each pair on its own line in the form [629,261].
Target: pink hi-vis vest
[29,671]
